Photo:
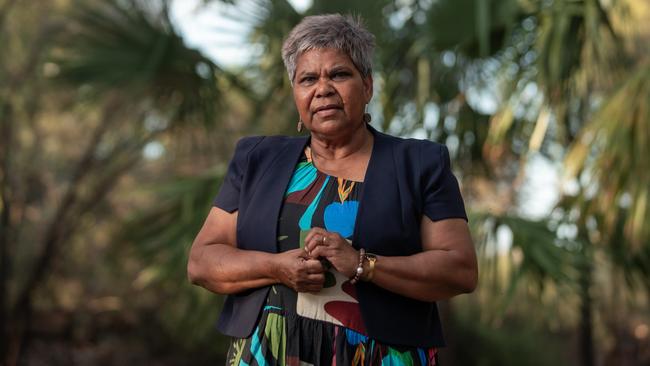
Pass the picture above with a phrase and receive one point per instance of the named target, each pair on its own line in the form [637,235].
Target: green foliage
[131,49]
[557,69]
[550,45]
[612,152]
[567,49]
[529,254]
[160,238]
[514,342]
[475,28]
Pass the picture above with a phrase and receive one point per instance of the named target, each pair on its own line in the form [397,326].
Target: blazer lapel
[378,184]
[271,189]
[378,198]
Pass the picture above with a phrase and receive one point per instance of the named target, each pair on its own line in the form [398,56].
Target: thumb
[302,253]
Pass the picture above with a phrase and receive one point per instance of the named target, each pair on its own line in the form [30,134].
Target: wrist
[358,272]
[274,267]
[369,262]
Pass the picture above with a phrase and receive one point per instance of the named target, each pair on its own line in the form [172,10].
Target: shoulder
[247,143]
[264,144]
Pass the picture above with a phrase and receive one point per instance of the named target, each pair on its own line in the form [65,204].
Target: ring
[324,239]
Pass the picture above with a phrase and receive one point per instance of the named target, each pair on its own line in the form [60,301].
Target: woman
[333,248]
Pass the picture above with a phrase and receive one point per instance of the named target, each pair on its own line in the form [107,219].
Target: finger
[328,253]
[314,266]
[316,279]
[314,232]
[320,252]
[310,283]
[303,255]
[338,241]
[313,242]
[309,246]
[321,240]
[340,248]
[313,287]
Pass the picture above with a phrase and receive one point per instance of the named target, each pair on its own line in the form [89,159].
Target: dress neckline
[342,181]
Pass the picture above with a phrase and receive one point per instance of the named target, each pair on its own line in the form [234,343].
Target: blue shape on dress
[355,338]
[269,307]
[423,356]
[302,177]
[340,217]
[256,348]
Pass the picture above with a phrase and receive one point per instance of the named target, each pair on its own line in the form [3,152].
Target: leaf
[132,48]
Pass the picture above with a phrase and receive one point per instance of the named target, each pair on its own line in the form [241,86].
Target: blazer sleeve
[441,194]
[228,197]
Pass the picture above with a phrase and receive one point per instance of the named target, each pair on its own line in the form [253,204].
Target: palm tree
[580,60]
[126,62]
[436,63]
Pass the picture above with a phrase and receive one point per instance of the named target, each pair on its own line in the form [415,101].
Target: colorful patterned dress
[325,328]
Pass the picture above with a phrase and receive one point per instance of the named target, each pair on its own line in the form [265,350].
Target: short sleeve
[228,197]
[441,194]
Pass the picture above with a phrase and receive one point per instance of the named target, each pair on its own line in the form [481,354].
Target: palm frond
[131,48]
[612,151]
[530,253]
[476,28]
[160,239]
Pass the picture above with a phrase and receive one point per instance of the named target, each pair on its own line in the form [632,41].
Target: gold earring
[299,125]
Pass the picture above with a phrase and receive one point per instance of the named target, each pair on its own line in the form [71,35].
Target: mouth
[327,107]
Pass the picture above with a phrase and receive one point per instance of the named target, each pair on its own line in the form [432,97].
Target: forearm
[428,276]
[225,269]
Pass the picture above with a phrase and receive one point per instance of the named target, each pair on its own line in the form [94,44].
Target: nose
[324,88]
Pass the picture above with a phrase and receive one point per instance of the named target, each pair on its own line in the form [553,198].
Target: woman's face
[329,92]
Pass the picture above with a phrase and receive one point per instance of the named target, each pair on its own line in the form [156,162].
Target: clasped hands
[303,270]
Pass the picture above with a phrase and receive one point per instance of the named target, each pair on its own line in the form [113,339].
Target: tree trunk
[60,227]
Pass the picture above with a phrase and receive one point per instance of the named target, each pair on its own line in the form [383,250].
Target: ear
[367,88]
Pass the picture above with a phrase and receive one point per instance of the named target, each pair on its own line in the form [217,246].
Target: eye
[340,75]
[307,79]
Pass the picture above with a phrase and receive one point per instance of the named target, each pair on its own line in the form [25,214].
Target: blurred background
[118,118]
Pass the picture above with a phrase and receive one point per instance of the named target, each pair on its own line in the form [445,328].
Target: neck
[329,148]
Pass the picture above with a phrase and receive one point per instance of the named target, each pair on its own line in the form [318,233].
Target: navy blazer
[405,179]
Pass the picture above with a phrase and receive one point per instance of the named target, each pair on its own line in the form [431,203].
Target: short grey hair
[344,33]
